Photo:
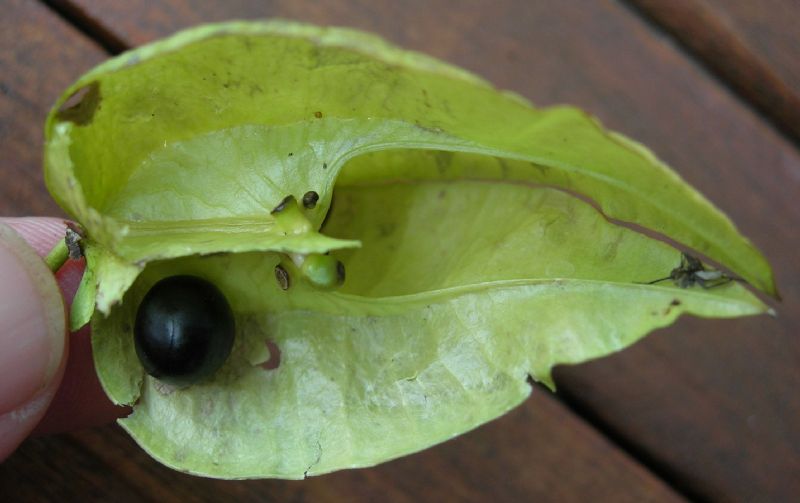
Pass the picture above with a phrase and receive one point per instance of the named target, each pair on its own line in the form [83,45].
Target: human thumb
[32,339]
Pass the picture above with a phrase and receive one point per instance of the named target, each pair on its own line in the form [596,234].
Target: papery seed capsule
[184,330]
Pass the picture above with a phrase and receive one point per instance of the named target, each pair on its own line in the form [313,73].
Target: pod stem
[57,256]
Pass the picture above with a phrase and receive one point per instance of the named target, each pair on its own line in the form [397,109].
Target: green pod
[470,263]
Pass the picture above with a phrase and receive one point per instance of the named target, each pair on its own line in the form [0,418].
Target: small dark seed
[340,271]
[283,277]
[310,199]
[318,115]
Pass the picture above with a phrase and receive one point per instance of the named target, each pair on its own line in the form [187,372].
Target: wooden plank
[539,452]
[751,46]
[27,88]
[713,404]
[770,29]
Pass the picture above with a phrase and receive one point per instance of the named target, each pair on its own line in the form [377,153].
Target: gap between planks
[93,28]
[704,36]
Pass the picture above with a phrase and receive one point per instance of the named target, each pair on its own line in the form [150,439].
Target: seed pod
[447,299]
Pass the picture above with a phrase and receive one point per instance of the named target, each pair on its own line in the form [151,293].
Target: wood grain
[27,88]
[770,30]
[752,46]
[711,404]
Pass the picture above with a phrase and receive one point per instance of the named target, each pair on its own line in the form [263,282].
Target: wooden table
[703,410]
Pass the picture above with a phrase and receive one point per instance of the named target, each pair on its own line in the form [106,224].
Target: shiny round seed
[184,330]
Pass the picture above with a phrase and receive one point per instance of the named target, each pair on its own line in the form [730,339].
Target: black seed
[283,277]
[184,330]
[310,199]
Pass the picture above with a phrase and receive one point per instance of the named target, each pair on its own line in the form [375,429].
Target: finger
[32,333]
[80,400]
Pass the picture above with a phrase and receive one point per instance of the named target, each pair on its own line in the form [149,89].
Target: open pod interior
[470,264]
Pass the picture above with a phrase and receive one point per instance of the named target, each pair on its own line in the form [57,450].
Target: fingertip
[17,424]
[79,401]
[41,233]
[32,338]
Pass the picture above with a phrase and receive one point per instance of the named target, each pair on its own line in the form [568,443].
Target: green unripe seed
[323,271]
